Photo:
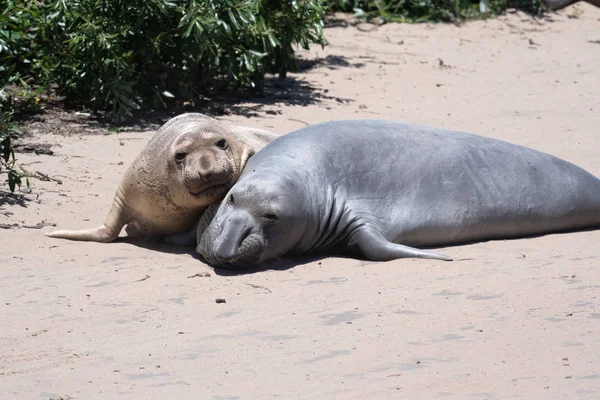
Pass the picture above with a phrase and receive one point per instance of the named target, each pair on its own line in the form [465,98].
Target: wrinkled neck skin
[326,220]
[319,221]
[254,140]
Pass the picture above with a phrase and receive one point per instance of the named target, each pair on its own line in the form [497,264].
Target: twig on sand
[200,275]
[368,30]
[39,225]
[143,279]
[33,148]
[298,120]
[258,286]
[45,177]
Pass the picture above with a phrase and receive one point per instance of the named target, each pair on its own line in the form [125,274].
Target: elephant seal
[382,188]
[555,5]
[188,164]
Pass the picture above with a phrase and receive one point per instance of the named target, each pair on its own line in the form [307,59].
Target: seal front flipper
[372,244]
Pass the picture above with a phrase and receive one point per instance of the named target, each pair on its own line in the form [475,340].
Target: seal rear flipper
[372,244]
[101,234]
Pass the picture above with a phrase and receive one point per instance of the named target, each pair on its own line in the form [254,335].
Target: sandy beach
[515,319]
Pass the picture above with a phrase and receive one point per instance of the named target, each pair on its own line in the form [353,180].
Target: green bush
[123,55]
[9,47]
[430,10]
[128,54]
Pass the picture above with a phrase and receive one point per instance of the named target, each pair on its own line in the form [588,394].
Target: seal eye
[222,144]
[230,200]
[180,156]
[271,218]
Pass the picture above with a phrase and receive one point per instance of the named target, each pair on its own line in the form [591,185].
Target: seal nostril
[250,249]
[245,233]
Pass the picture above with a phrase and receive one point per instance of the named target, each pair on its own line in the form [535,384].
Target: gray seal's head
[261,218]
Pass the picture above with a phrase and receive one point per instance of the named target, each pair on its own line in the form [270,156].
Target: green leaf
[241,16]
[258,54]
[226,27]
[232,19]
[6,148]
[53,15]
[247,63]
[13,180]
[273,40]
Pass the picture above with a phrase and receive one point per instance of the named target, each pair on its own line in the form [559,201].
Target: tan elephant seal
[189,163]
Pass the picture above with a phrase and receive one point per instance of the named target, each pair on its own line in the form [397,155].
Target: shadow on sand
[13,199]
[284,264]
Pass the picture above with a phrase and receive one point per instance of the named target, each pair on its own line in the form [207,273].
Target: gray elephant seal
[382,188]
[188,164]
[556,5]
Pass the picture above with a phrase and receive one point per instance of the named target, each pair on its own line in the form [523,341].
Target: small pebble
[219,301]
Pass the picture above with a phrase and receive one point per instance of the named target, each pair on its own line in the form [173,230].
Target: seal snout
[239,245]
[208,183]
[207,176]
[215,175]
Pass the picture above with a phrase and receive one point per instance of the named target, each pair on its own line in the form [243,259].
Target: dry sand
[507,319]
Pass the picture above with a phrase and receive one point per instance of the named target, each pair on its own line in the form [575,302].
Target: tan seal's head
[189,163]
[203,162]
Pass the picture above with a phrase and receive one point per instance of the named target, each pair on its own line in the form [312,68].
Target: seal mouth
[209,190]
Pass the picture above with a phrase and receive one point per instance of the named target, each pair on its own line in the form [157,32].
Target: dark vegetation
[119,56]
[412,11]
